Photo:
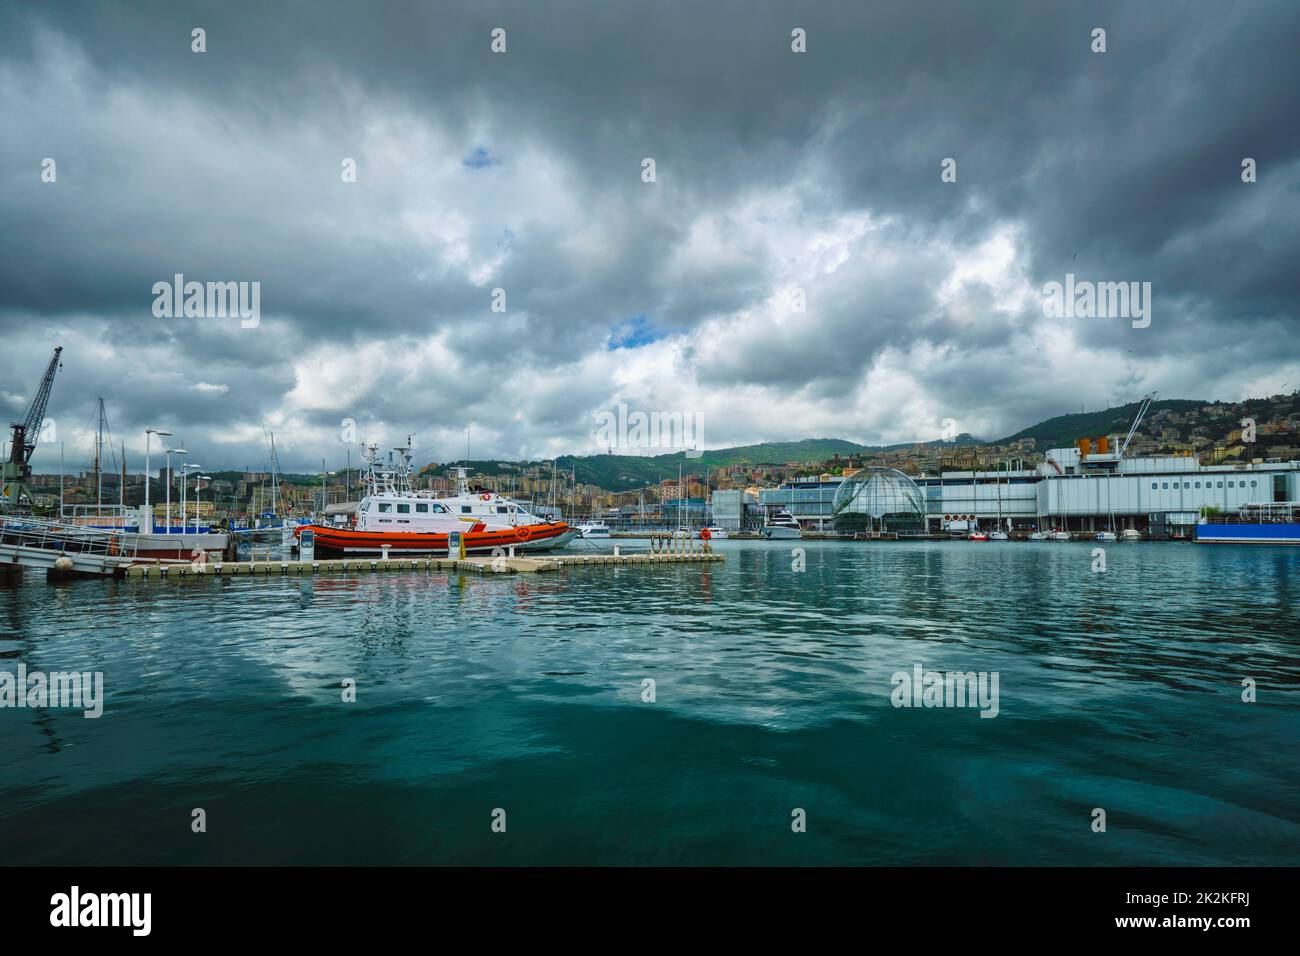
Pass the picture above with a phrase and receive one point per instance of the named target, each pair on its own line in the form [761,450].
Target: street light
[170,452]
[185,484]
[148,434]
[198,500]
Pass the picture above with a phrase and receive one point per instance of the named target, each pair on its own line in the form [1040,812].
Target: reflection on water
[1119,690]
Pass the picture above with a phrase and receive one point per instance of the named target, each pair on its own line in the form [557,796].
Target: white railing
[26,532]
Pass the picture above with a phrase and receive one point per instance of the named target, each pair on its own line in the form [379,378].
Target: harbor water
[525,701]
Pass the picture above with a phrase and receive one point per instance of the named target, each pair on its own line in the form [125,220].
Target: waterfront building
[810,500]
[879,500]
[1073,489]
[735,509]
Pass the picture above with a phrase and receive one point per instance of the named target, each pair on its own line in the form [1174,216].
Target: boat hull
[1267,533]
[346,541]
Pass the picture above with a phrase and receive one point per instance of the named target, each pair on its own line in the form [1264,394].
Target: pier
[474,565]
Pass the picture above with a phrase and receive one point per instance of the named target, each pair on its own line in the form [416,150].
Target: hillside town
[1211,433]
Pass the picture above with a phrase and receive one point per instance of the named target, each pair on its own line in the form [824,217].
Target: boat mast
[99,471]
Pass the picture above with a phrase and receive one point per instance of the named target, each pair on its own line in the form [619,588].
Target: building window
[1220,482]
[1187,484]
[1154,485]
[1198,484]
[1165,485]
[1229,484]
[1252,482]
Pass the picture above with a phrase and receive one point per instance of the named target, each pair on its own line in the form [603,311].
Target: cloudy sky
[776,171]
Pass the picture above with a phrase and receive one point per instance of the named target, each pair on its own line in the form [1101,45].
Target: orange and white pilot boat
[393,516]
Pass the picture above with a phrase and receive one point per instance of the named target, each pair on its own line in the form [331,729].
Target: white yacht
[716,533]
[1059,536]
[1106,536]
[593,529]
[780,524]
[1130,534]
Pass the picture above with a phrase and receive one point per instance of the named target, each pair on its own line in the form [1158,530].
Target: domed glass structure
[879,499]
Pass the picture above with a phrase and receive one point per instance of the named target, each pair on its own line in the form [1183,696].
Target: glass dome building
[879,499]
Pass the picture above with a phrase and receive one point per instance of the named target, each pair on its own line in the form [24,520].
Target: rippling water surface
[1119,690]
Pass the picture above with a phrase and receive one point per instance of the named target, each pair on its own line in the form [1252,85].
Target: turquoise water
[1119,690]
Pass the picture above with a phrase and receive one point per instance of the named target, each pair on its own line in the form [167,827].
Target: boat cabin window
[421,509]
[464,509]
[501,510]
[403,509]
[384,508]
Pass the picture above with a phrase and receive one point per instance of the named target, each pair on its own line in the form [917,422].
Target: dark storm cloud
[522,171]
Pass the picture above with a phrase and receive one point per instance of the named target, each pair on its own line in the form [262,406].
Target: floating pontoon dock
[473,565]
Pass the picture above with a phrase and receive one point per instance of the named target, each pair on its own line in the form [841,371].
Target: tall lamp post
[198,500]
[148,434]
[185,475]
[170,452]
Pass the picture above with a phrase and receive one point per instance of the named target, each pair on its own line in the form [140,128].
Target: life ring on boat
[523,532]
[486,497]
[705,534]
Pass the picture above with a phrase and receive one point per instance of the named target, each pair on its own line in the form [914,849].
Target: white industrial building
[1069,490]
[1080,492]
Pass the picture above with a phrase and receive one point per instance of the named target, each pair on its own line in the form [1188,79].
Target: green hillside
[627,472]
[1061,431]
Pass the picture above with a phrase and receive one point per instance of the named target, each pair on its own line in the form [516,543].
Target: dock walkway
[473,565]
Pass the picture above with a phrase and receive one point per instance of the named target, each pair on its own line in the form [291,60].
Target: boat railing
[101,516]
[1268,512]
[29,532]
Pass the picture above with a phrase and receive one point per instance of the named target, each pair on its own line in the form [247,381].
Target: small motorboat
[1106,536]
[999,536]
[1038,536]
[1059,536]
[1130,534]
[977,536]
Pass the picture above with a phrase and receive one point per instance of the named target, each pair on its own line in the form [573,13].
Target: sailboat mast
[99,451]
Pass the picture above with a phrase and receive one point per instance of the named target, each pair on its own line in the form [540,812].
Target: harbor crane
[1142,410]
[25,435]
